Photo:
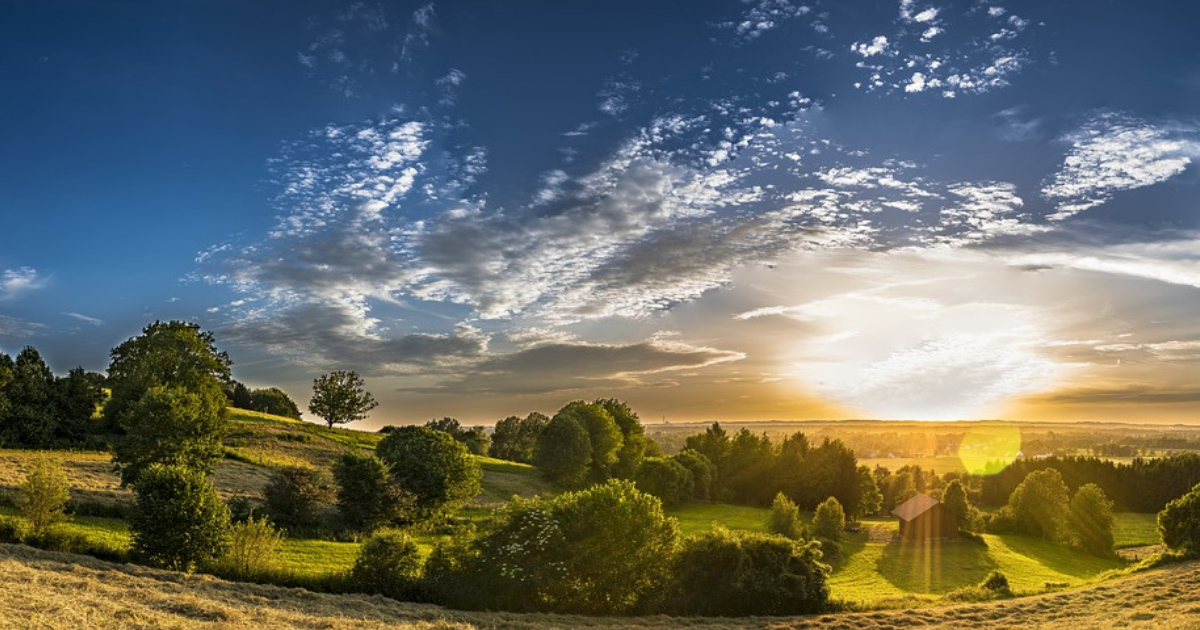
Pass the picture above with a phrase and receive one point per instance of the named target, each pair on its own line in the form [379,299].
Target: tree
[666,479]
[339,398]
[75,400]
[1179,523]
[633,437]
[723,572]
[704,474]
[44,495]
[475,439]
[954,497]
[30,418]
[167,397]
[596,551]
[785,518]
[869,497]
[274,401]
[178,521]
[829,522]
[435,468]
[1040,505]
[515,438]
[367,496]
[603,434]
[238,394]
[1091,520]
[294,496]
[564,452]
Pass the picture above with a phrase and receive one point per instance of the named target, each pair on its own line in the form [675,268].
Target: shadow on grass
[1058,558]
[934,567]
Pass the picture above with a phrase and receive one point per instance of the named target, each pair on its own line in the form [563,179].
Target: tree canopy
[340,397]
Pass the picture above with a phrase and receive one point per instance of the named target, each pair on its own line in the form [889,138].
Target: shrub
[785,518]
[388,563]
[730,573]
[595,551]
[251,551]
[367,497]
[294,496]
[997,583]
[178,522]
[666,479]
[431,465]
[44,495]
[12,529]
[1179,523]
[830,521]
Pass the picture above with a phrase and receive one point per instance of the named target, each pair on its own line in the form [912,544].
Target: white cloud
[85,319]
[1114,152]
[877,46]
[1173,261]
[17,282]
[764,16]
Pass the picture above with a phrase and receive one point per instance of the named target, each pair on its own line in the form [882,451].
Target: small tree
[178,521]
[44,495]
[389,563]
[1179,523]
[830,520]
[516,438]
[1091,520]
[870,499]
[367,496]
[954,497]
[785,518]
[294,496]
[339,397]
[435,468]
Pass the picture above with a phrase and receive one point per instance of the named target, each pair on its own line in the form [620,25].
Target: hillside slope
[58,591]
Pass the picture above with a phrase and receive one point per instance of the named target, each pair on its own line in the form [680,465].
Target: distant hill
[257,444]
[62,592]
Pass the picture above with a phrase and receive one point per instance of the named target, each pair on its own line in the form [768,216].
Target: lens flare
[989,449]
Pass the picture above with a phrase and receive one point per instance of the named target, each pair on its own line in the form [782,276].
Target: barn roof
[914,507]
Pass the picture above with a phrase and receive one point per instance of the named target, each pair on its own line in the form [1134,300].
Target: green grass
[871,574]
[316,557]
[696,518]
[491,464]
[1133,529]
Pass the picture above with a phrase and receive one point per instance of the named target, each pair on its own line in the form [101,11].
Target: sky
[739,210]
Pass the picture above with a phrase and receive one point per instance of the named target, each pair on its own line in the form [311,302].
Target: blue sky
[715,210]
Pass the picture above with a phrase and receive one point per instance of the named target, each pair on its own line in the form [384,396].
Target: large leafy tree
[274,401]
[340,397]
[1040,505]
[1179,523]
[564,451]
[516,438]
[603,433]
[167,398]
[633,437]
[435,468]
[1091,520]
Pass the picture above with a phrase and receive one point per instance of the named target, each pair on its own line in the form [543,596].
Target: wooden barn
[925,518]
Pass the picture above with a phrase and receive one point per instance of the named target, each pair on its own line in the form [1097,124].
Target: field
[53,591]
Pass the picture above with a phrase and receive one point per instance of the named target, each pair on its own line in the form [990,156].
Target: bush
[732,573]
[596,551]
[12,529]
[251,551]
[1179,523]
[367,497]
[785,518]
[389,563]
[294,496]
[44,495]
[830,521]
[431,465]
[666,479]
[997,583]
[179,522]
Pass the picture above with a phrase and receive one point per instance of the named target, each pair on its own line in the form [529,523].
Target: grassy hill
[62,592]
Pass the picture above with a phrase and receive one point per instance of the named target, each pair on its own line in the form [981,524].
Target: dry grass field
[54,591]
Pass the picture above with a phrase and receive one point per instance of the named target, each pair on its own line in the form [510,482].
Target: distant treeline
[1143,485]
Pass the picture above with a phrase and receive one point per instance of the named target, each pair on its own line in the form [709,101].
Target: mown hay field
[52,591]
